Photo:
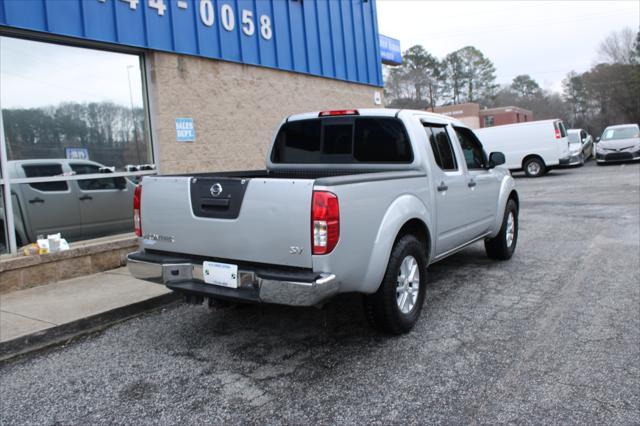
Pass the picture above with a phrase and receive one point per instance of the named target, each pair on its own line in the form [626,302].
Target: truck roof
[380,112]
[619,126]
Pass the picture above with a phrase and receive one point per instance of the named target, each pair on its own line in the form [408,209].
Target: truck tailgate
[262,220]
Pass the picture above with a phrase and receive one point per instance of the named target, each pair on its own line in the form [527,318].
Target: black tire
[534,167]
[382,308]
[498,248]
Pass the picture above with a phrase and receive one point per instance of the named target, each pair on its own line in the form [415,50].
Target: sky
[545,39]
[36,74]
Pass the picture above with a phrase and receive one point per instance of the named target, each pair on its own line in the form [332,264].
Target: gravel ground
[552,336]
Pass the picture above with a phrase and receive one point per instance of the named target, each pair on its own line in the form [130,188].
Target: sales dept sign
[185,131]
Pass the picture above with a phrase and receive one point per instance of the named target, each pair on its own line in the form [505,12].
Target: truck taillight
[137,219]
[325,222]
[558,134]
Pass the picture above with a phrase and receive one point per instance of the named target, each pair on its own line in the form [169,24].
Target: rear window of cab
[342,140]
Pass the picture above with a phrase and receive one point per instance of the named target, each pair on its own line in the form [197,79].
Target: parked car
[618,143]
[78,209]
[351,201]
[533,146]
[580,146]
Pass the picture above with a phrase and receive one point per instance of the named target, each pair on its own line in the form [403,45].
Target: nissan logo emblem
[216,189]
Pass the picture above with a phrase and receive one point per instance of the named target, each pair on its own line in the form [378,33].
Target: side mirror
[496,159]
[598,139]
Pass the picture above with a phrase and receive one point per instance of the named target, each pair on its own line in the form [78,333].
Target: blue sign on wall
[390,50]
[335,39]
[185,131]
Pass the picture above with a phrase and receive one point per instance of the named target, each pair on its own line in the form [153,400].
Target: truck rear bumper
[254,285]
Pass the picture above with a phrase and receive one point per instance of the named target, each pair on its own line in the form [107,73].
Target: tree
[525,86]
[416,83]
[453,76]
[469,75]
[635,57]
[618,47]
[575,94]
[423,69]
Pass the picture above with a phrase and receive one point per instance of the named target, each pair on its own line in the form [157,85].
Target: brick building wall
[504,115]
[235,109]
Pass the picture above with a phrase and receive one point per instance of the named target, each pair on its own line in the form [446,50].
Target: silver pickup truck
[351,201]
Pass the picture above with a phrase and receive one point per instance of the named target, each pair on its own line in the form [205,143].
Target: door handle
[85,197]
[442,187]
[36,200]
[471,183]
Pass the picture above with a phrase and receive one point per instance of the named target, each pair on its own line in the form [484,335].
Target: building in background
[473,116]
[135,87]
[504,115]
[469,113]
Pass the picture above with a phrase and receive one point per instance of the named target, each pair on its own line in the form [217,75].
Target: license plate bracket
[220,274]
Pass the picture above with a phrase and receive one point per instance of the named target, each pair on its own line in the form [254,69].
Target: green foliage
[417,82]
[478,74]
[525,86]
[465,75]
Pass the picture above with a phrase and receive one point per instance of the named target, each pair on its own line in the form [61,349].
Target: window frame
[431,125]
[484,153]
[149,127]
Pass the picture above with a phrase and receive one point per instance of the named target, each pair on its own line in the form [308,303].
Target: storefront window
[67,112]
[69,102]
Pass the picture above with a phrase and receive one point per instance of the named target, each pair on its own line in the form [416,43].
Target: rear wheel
[396,306]
[534,167]
[504,244]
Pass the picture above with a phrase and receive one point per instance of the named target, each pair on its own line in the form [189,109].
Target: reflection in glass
[69,102]
[81,210]
[4,242]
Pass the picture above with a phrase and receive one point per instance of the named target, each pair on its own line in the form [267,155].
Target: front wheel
[396,306]
[534,167]
[502,246]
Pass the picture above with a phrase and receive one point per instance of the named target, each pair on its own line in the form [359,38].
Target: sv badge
[295,250]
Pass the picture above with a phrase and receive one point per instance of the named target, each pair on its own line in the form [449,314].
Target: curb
[64,332]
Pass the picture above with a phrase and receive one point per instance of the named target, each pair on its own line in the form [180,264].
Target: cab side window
[441,147]
[95,184]
[471,147]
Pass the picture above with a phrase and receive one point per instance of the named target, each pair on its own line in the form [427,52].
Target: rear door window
[45,170]
[441,147]
[343,140]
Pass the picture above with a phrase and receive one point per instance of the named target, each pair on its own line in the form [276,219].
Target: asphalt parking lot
[552,336]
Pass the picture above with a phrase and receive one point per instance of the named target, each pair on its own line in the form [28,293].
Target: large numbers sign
[207,14]
[335,39]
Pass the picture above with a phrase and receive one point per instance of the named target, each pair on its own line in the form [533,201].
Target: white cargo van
[534,146]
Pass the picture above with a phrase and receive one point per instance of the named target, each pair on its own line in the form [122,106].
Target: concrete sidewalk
[40,316]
